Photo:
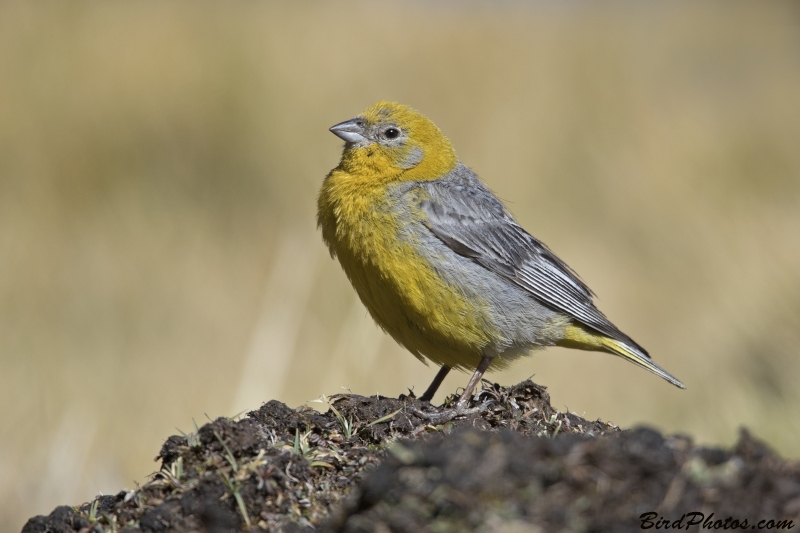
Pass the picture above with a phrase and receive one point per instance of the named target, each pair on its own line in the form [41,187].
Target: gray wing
[468,218]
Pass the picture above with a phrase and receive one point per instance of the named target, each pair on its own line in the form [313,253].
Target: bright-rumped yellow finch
[441,264]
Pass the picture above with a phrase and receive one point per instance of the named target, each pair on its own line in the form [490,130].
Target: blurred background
[159,165]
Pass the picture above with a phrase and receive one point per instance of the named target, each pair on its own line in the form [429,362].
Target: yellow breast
[396,284]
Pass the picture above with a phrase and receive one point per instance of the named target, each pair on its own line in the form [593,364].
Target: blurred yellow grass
[156,158]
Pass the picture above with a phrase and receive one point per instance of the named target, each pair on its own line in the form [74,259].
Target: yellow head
[394,142]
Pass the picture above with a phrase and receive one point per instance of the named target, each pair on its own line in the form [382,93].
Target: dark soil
[377,464]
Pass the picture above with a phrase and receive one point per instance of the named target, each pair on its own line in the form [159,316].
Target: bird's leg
[434,386]
[460,408]
[462,402]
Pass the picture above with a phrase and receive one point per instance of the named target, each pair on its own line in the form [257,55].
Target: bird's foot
[447,415]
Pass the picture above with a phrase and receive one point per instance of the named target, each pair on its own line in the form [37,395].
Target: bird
[441,264]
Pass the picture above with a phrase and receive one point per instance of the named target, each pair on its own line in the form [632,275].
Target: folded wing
[468,218]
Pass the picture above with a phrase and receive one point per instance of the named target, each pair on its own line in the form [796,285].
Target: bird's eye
[391,133]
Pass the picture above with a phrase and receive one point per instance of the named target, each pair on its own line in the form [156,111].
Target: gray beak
[350,130]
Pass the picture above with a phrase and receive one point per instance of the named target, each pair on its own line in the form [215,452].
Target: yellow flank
[575,336]
[582,338]
[397,285]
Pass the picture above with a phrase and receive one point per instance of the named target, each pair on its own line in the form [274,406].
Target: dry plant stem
[434,386]
[449,414]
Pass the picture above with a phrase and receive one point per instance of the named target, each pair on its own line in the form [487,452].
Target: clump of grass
[235,488]
[93,511]
[228,454]
[192,439]
[346,424]
[301,444]
[240,472]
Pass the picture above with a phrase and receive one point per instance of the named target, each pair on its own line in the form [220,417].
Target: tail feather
[619,348]
[576,336]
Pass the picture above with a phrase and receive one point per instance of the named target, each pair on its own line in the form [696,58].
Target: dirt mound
[481,481]
[382,464]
